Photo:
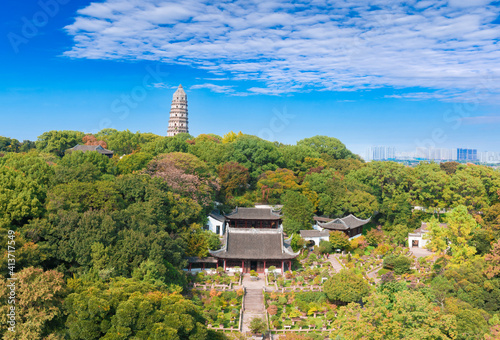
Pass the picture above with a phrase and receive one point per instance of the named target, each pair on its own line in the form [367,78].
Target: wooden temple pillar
[290,265]
[190,267]
[224,265]
[282,267]
[242,266]
[264,266]
[203,266]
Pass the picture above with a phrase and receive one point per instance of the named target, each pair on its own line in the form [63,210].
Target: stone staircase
[253,301]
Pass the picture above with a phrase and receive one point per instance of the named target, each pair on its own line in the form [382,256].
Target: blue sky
[404,74]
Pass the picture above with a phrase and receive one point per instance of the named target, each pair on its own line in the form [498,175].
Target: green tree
[437,236]
[459,231]
[80,197]
[27,145]
[346,287]
[429,186]
[471,322]
[176,143]
[298,212]
[84,167]
[327,145]
[374,236]
[133,162]
[399,234]
[360,203]
[57,142]
[9,144]
[126,308]
[258,325]
[295,157]
[121,142]
[399,263]
[297,243]
[255,154]
[332,189]
[339,240]
[21,198]
[469,191]
[492,217]
[78,158]
[409,315]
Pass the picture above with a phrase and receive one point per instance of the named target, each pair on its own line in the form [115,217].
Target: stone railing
[221,328]
[310,288]
[240,325]
[220,287]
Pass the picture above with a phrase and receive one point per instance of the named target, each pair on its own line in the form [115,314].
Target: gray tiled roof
[424,227]
[344,223]
[253,214]
[254,244]
[85,148]
[314,233]
[322,219]
[217,217]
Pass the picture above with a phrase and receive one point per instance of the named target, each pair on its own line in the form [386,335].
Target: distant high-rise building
[422,153]
[467,155]
[178,121]
[380,153]
[489,157]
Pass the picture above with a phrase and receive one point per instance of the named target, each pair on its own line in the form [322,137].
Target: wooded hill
[101,242]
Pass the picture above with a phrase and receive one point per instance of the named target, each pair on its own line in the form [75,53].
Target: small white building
[417,240]
[315,236]
[216,224]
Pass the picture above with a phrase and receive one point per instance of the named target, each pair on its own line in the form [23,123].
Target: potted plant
[258,326]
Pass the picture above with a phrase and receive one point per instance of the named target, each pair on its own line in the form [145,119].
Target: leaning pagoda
[254,240]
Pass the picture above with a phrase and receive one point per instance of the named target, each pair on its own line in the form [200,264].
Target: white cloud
[214,88]
[449,46]
[481,120]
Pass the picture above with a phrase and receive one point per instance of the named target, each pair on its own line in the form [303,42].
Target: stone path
[420,252]
[254,301]
[335,262]
[373,274]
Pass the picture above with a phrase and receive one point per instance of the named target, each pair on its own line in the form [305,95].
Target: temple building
[87,148]
[178,121]
[254,240]
[253,218]
[350,225]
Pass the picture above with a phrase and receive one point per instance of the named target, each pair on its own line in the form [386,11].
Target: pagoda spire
[178,121]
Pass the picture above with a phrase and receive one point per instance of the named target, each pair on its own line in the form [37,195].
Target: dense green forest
[100,243]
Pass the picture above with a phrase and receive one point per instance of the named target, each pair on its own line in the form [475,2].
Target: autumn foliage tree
[185,174]
[493,261]
[233,178]
[92,140]
[339,240]
[273,184]
[39,299]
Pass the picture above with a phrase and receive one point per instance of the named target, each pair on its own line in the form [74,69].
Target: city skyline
[388,153]
[409,75]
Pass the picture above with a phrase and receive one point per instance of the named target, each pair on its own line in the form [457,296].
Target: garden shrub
[317,297]
[400,264]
